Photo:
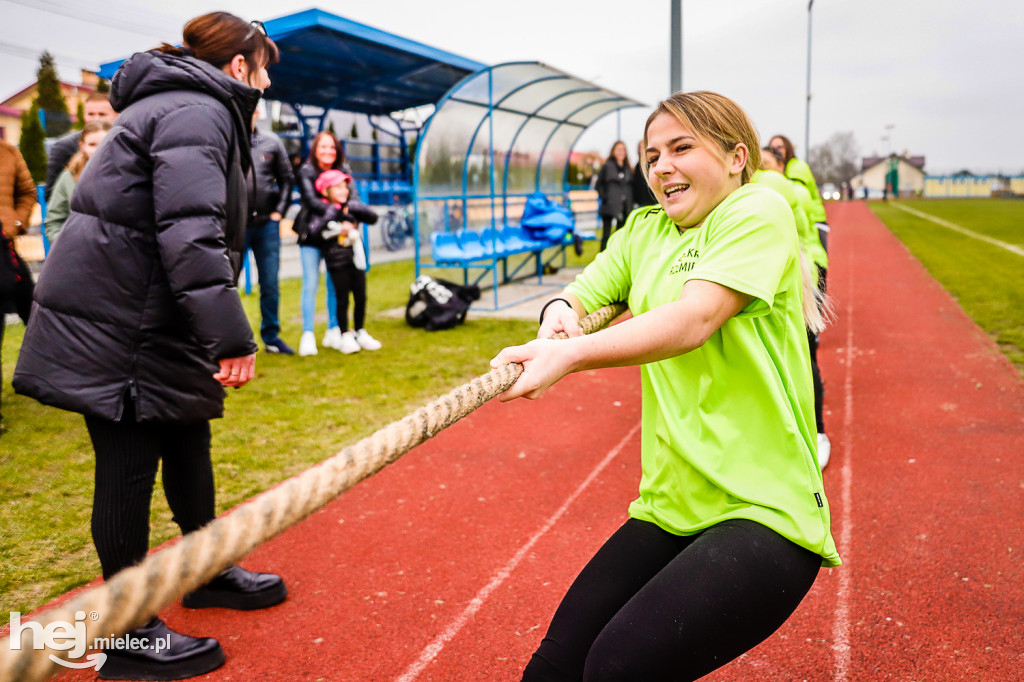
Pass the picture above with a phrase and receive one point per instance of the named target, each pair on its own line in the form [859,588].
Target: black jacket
[642,194]
[336,255]
[614,186]
[312,204]
[138,297]
[270,183]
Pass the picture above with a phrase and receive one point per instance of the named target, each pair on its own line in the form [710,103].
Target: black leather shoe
[168,655]
[237,588]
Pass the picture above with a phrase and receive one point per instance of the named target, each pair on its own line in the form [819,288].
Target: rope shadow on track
[136,594]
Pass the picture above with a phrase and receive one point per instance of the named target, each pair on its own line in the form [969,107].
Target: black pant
[652,605]
[127,456]
[606,227]
[347,280]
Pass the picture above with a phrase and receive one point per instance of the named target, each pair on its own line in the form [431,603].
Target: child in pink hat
[337,235]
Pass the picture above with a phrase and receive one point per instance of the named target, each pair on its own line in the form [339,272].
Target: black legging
[652,605]
[127,455]
[349,280]
[606,228]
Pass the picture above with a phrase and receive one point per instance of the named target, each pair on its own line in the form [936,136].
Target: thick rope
[133,596]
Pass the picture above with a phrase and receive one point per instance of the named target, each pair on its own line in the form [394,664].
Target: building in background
[12,107]
[877,172]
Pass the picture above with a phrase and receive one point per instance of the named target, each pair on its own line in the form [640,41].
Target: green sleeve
[607,279]
[59,207]
[751,243]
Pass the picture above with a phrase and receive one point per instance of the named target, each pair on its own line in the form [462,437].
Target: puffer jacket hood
[148,73]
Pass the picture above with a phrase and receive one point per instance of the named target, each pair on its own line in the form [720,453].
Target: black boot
[237,588]
[168,655]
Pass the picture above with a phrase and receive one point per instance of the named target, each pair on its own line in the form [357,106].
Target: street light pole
[676,48]
[807,123]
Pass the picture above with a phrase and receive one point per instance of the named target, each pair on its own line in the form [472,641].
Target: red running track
[448,564]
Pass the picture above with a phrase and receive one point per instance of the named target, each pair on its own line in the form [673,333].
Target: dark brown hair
[339,160]
[787,145]
[218,36]
[611,154]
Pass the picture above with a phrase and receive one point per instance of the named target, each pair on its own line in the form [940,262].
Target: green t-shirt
[810,241]
[800,172]
[799,202]
[728,428]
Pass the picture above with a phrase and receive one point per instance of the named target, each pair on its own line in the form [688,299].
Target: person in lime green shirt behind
[799,171]
[800,202]
[731,526]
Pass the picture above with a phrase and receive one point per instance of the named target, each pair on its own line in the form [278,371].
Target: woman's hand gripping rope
[544,360]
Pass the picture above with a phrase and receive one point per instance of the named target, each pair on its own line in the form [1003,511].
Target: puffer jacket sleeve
[283,173]
[190,151]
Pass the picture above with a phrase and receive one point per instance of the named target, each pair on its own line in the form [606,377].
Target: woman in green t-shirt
[731,525]
[799,171]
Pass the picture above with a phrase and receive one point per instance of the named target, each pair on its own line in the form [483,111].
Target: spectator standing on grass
[615,189]
[731,526]
[325,153]
[771,174]
[17,198]
[137,322]
[799,171]
[336,234]
[270,193]
[97,108]
[642,194]
[59,206]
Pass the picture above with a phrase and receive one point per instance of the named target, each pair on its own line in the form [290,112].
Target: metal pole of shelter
[807,123]
[676,48]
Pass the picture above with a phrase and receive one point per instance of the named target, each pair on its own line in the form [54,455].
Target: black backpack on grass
[438,304]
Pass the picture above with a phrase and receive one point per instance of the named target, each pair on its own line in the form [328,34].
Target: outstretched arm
[664,332]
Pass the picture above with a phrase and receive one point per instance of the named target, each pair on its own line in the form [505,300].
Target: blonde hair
[77,163]
[715,119]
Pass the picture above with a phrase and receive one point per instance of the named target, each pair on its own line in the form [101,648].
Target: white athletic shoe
[349,344]
[824,450]
[332,338]
[365,341]
[307,344]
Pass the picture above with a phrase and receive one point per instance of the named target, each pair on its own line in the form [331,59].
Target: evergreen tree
[330,128]
[103,85]
[32,147]
[80,116]
[50,98]
[354,133]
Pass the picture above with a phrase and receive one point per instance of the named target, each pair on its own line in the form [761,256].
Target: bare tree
[836,160]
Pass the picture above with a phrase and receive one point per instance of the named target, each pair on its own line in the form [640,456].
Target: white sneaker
[307,344]
[365,341]
[332,338]
[824,450]
[349,343]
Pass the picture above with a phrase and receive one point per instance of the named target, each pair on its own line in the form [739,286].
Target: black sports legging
[652,605]
[606,228]
[127,456]
[349,280]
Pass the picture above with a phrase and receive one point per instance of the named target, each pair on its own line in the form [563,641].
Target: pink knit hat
[329,179]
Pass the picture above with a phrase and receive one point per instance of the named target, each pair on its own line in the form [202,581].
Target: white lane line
[841,625]
[1012,248]
[435,647]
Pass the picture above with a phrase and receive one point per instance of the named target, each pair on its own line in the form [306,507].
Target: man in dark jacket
[270,189]
[96,107]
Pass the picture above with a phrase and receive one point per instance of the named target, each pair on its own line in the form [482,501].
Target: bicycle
[396,227]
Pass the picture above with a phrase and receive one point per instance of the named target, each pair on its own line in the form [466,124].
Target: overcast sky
[945,75]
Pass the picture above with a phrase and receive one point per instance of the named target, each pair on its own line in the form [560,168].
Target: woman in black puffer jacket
[137,323]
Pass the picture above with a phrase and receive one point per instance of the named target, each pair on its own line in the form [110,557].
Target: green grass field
[297,412]
[985,279]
